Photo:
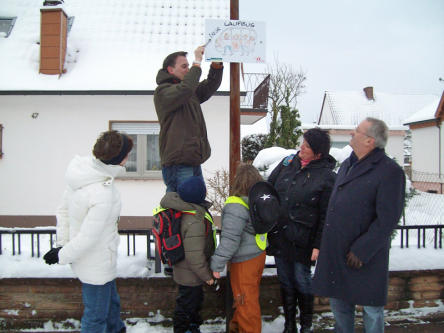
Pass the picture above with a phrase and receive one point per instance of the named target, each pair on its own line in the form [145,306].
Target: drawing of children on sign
[247,42]
[226,43]
[236,40]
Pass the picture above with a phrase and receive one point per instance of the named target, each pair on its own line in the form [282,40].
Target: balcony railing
[256,88]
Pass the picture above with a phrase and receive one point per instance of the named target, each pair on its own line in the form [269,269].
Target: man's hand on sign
[198,53]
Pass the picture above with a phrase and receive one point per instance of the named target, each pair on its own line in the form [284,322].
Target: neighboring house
[342,111]
[70,72]
[427,132]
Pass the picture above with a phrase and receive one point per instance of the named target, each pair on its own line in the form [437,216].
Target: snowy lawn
[322,321]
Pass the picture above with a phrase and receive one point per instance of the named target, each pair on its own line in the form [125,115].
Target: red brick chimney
[369,93]
[53,34]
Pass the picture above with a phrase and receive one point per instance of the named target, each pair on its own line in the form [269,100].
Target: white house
[342,111]
[428,146]
[107,55]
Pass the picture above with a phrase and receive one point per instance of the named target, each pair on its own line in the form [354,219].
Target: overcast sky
[396,46]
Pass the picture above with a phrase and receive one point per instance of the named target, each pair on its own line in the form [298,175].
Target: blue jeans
[173,175]
[294,275]
[101,308]
[344,313]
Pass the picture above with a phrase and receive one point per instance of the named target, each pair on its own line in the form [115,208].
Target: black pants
[188,304]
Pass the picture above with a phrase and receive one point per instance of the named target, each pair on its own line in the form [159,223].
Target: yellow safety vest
[159,209]
[261,239]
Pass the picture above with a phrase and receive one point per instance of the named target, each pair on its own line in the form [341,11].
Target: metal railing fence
[422,234]
[35,235]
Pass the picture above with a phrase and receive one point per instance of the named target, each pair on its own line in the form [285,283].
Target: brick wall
[30,302]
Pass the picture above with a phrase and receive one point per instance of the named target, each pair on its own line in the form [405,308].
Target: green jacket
[183,133]
[198,242]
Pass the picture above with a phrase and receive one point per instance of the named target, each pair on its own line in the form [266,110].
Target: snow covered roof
[351,107]
[112,45]
[429,112]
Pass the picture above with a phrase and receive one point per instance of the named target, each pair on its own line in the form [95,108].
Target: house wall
[425,155]
[38,150]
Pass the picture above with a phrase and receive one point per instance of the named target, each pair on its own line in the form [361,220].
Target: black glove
[353,261]
[52,256]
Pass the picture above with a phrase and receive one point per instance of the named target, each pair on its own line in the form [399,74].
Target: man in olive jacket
[183,137]
[365,206]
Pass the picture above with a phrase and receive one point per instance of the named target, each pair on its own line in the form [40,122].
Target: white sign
[235,41]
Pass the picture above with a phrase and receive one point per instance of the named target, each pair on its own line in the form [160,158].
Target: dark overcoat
[364,208]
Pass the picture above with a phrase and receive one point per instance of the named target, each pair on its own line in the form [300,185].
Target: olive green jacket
[183,133]
[198,242]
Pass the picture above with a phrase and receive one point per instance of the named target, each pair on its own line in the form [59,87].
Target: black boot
[289,302]
[306,312]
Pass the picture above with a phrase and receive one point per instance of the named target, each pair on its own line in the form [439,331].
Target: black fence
[419,234]
[423,233]
[35,235]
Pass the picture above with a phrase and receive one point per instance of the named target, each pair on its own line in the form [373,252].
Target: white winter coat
[87,220]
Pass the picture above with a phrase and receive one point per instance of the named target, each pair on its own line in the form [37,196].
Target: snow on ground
[320,321]
[25,266]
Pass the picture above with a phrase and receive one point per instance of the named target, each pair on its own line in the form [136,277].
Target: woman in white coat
[87,232]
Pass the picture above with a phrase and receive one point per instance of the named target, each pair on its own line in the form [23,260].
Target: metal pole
[234,148]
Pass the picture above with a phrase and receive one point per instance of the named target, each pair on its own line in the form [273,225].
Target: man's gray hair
[379,131]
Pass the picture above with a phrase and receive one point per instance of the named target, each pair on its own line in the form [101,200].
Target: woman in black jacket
[304,182]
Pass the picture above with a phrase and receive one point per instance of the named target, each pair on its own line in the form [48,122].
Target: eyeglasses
[357,130]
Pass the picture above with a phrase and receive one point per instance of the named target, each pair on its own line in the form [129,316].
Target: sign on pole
[235,41]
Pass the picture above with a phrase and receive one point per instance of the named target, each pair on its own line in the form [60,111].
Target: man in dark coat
[364,208]
[183,137]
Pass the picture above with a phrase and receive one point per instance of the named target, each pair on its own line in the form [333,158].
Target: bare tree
[218,190]
[286,84]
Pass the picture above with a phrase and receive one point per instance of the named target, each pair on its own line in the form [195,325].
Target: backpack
[166,230]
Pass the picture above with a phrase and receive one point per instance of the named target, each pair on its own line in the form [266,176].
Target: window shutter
[137,128]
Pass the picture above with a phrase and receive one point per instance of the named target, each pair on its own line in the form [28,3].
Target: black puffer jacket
[304,194]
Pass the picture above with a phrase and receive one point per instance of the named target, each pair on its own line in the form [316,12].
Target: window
[6,25]
[1,136]
[70,22]
[339,144]
[144,159]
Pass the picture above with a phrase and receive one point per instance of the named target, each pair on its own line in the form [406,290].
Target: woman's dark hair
[246,176]
[112,147]
[319,141]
